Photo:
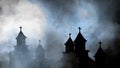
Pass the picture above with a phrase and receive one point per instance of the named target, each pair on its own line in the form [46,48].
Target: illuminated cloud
[52,20]
[26,14]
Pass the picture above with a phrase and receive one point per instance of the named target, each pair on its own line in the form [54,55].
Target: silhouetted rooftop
[100,52]
[80,37]
[21,35]
[69,41]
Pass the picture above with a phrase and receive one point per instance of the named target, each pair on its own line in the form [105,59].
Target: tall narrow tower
[21,43]
[21,38]
[81,52]
[20,57]
[80,45]
[39,60]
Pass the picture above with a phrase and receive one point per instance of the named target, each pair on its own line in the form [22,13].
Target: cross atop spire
[79,29]
[100,54]
[20,28]
[69,34]
[39,42]
[100,43]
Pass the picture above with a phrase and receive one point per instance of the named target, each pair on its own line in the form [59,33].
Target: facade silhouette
[81,59]
[21,56]
[75,55]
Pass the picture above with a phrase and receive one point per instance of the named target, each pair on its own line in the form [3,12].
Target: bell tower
[21,38]
[69,45]
[80,44]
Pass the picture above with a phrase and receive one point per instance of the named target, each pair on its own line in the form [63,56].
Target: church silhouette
[75,55]
[21,57]
[77,49]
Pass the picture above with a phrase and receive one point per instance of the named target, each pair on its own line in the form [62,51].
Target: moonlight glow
[31,17]
[51,21]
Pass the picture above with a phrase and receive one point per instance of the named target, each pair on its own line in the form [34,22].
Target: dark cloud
[61,11]
[108,17]
[64,12]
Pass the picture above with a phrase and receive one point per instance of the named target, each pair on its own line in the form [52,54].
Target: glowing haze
[51,22]
[31,17]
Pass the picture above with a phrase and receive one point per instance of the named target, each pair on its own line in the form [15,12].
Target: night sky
[51,21]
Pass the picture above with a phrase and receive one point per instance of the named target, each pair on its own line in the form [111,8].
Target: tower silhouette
[79,43]
[69,45]
[21,38]
[100,57]
[79,53]
[39,57]
[39,52]
[21,42]
[80,50]
[20,56]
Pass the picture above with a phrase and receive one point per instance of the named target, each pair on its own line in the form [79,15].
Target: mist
[52,20]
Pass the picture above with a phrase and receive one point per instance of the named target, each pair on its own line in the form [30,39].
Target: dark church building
[78,55]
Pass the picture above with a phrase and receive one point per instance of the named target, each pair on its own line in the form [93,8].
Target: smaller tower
[39,60]
[21,38]
[69,45]
[100,57]
[39,51]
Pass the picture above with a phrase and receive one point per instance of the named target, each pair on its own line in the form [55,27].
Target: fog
[52,20]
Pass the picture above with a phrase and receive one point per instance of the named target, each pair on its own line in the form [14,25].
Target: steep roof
[79,37]
[40,48]
[21,35]
[69,41]
[100,52]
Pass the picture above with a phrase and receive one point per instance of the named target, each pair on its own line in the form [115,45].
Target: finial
[69,34]
[39,42]
[100,43]
[20,28]
[79,29]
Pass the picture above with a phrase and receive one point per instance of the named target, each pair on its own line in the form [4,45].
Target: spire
[69,41]
[69,45]
[100,43]
[21,37]
[39,48]
[100,57]
[100,51]
[39,52]
[79,37]
[39,42]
